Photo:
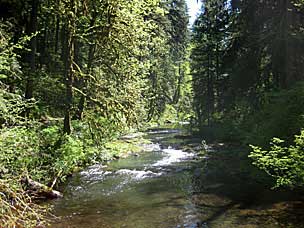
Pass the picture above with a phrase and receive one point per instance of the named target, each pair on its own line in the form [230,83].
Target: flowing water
[169,186]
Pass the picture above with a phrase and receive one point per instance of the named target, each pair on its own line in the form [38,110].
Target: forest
[247,67]
[76,75]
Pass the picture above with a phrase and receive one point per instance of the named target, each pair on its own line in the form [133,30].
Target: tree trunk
[32,56]
[57,29]
[210,91]
[69,69]
[177,92]
[84,83]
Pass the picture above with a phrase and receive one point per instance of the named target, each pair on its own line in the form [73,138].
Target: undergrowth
[46,155]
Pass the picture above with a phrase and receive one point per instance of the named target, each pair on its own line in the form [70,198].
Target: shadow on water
[241,196]
[168,187]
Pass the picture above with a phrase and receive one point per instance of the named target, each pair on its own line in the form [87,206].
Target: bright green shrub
[40,153]
[285,164]
[19,150]
[70,155]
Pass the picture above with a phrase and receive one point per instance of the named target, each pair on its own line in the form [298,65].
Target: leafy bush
[102,129]
[19,150]
[70,155]
[285,164]
[11,103]
[40,153]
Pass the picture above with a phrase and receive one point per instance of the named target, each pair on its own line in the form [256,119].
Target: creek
[172,184]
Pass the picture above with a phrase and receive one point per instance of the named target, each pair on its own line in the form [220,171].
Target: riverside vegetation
[75,75]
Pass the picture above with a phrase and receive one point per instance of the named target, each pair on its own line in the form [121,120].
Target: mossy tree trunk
[69,66]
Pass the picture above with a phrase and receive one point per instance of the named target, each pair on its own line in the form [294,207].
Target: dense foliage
[74,75]
[285,164]
[77,74]
[247,67]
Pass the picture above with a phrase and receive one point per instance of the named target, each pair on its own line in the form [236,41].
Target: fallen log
[41,189]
